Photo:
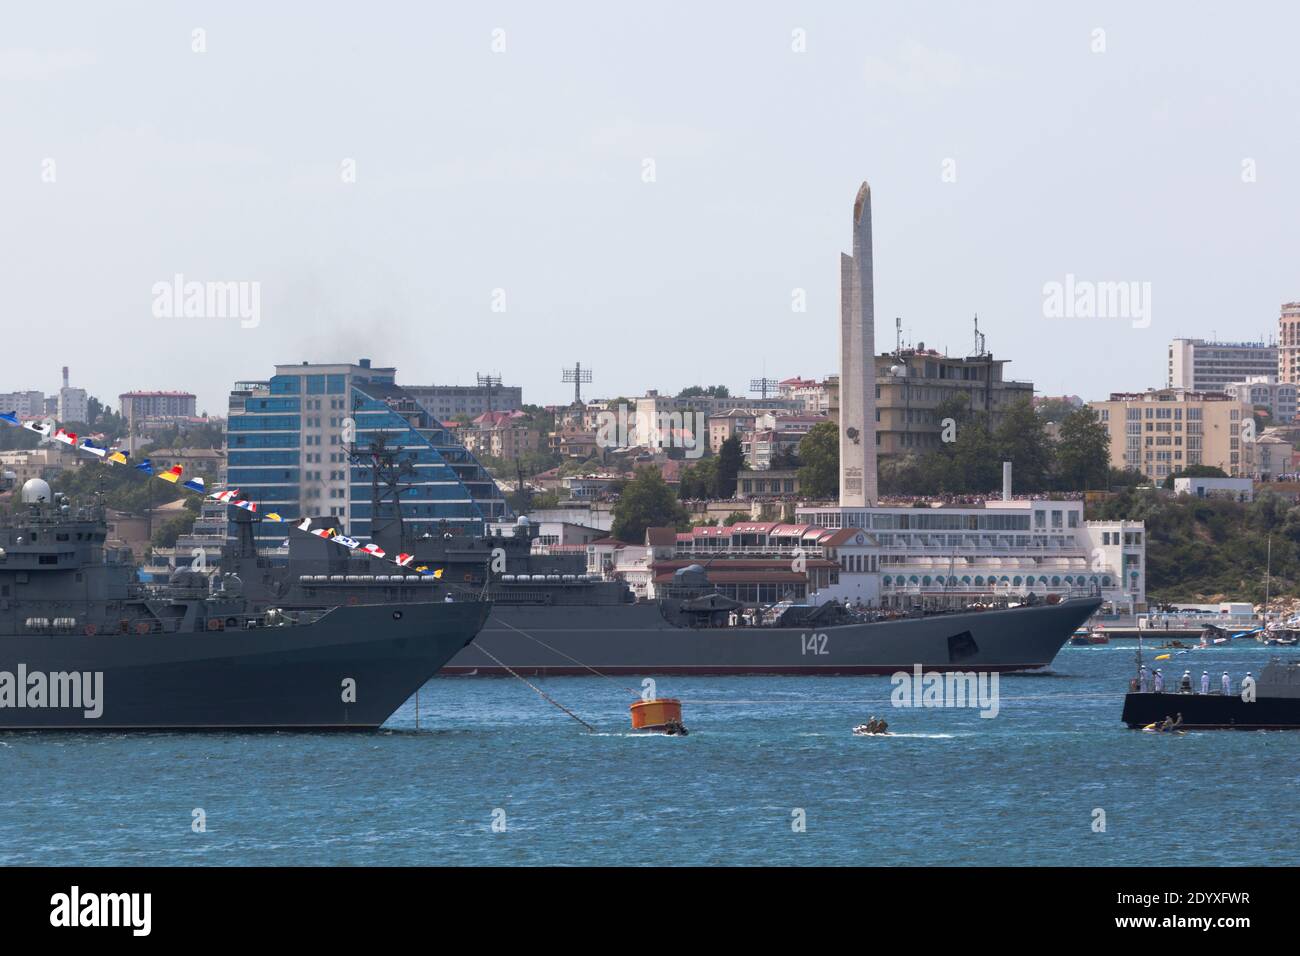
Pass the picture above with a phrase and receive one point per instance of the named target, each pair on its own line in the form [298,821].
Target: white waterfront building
[961,552]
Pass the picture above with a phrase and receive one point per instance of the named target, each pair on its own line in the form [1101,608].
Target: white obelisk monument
[857,364]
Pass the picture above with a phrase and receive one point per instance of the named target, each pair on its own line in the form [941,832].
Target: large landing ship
[550,616]
[84,646]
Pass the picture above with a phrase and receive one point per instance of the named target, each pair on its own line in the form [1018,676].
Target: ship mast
[1268,573]
[386,477]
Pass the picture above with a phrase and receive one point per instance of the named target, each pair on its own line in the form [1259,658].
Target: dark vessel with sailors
[1273,703]
[85,645]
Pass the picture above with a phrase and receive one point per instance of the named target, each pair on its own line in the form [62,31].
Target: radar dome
[35,491]
[522,521]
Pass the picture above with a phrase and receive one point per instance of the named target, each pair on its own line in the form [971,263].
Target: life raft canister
[214,624]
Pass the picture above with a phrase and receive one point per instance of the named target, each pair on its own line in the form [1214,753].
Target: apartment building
[1199,365]
[1161,431]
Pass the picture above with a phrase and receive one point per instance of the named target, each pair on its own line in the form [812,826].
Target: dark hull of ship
[1212,711]
[636,639]
[272,678]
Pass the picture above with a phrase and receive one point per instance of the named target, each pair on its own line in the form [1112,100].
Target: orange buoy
[662,714]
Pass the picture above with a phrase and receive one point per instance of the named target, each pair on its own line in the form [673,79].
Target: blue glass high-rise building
[288,442]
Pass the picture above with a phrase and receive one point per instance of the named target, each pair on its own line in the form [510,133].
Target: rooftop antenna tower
[577,375]
[489,382]
[763,386]
[979,337]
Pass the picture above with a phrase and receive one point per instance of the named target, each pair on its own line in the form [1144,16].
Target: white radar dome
[35,490]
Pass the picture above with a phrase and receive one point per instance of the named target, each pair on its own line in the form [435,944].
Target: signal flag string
[49,431]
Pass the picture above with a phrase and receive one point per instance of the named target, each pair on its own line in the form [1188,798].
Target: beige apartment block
[1161,431]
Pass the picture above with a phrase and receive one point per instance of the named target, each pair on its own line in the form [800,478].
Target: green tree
[910,474]
[1021,439]
[1055,409]
[12,439]
[173,528]
[957,407]
[698,481]
[731,458]
[1125,478]
[646,502]
[973,466]
[712,391]
[1083,451]
[787,457]
[819,475]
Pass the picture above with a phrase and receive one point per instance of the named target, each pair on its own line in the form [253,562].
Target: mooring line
[539,691]
[556,650]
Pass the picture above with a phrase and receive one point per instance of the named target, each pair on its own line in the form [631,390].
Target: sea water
[770,774]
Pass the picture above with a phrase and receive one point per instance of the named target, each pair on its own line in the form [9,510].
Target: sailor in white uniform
[1159,682]
[1143,678]
[1205,682]
[1227,683]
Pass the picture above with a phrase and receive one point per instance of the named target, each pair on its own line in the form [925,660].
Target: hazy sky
[524,171]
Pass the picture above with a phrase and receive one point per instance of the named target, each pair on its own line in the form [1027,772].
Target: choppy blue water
[951,788]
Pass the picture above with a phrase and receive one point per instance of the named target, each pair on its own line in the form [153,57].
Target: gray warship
[85,646]
[551,617]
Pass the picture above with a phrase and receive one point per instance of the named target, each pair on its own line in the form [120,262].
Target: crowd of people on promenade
[975,500]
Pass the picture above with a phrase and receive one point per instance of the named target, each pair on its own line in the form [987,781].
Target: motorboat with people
[1169,725]
[874,727]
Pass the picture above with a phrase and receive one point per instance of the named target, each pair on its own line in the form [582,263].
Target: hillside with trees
[1211,549]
